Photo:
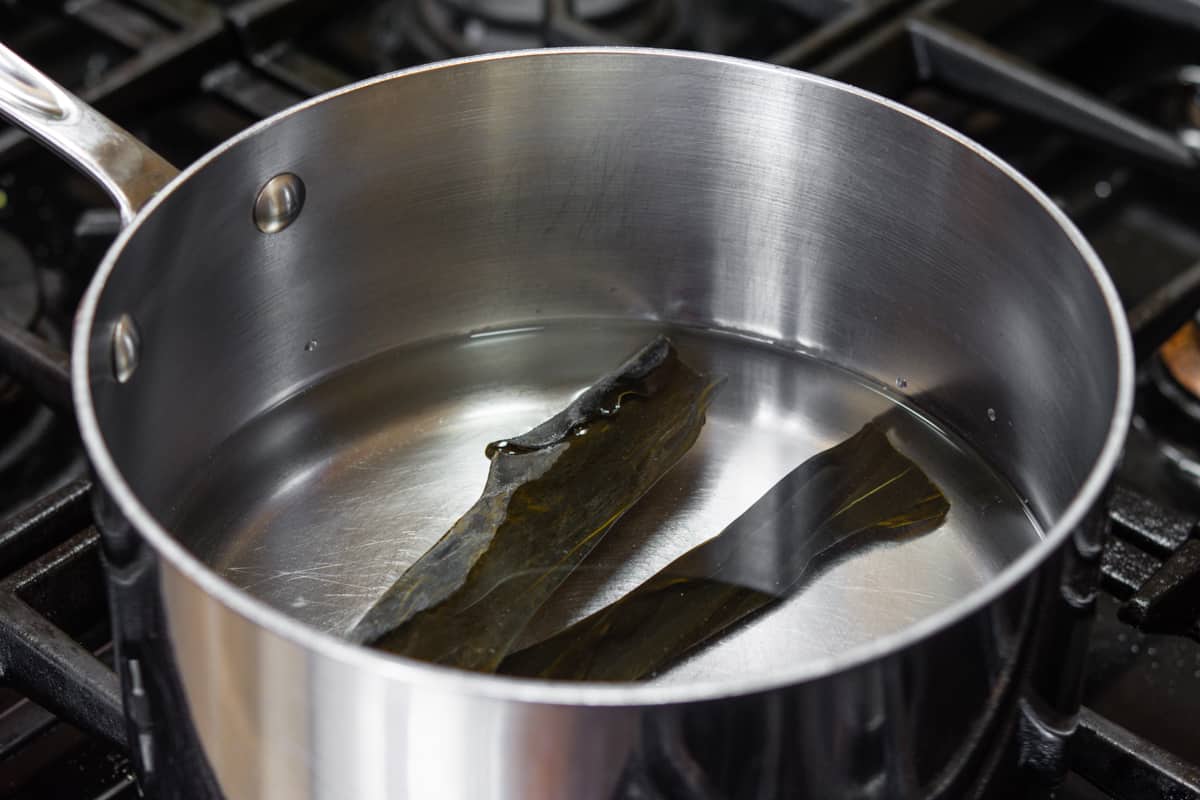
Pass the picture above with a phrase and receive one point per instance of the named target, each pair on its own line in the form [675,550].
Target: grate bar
[38,364]
[1126,765]
[969,64]
[49,666]
[1152,562]
[1186,12]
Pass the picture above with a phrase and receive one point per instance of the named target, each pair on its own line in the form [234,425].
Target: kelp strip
[856,492]
[551,495]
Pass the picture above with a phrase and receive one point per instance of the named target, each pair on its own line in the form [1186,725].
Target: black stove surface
[1098,102]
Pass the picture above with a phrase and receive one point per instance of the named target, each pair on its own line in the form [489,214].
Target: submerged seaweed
[856,492]
[551,495]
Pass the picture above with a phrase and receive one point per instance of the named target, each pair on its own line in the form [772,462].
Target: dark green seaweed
[550,497]
[858,491]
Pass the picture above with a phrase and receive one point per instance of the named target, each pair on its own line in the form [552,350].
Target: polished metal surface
[574,186]
[319,505]
[128,171]
[126,348]
[278,203]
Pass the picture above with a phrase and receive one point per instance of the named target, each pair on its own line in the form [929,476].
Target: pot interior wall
[692,190]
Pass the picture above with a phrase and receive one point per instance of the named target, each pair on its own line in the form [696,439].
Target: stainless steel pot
[491,193]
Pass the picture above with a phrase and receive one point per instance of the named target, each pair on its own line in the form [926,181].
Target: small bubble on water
[901,383]
[992,414]
[1135,648]
[1196,674]
[1151,651]
[310,346]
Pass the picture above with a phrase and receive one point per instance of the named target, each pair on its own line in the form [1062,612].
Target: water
[318,505]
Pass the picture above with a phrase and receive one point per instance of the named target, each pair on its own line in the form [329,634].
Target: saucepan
[288,364]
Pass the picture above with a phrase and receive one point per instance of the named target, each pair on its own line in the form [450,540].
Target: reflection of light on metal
[1182,461]
[434,720]
[375,764]
[504,409]
[752,461]
[767,417]
[298,478]
[506,332]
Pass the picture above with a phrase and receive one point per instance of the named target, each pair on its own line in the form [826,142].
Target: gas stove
[1097,101]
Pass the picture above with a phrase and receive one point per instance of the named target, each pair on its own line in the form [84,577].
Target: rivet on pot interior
[126,348]
[278,202]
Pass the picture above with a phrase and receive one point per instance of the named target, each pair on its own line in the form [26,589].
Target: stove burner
[19,293]
[1181,358]
[1180,108]
[1170,404]
[446,28]
[1171,99]
[37,447]
[19,302]
[532,12]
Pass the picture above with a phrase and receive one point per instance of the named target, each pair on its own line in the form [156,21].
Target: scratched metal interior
[317,506]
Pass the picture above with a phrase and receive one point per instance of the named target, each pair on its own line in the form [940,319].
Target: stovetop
[1098,101]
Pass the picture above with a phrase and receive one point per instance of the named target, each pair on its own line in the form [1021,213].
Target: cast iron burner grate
[1095,100]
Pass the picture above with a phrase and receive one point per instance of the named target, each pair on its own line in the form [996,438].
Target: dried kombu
[551,495]
[856,492]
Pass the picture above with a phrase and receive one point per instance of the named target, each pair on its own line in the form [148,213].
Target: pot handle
[128,171]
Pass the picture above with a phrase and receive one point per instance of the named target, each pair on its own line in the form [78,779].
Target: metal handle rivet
[278,202]
[126,348]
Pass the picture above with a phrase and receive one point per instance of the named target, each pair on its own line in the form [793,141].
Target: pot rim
[401,669]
